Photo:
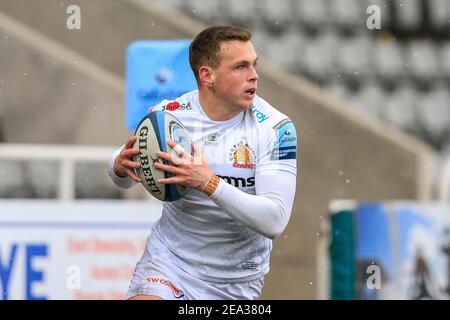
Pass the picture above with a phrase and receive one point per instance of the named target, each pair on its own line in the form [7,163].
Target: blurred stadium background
[372,106]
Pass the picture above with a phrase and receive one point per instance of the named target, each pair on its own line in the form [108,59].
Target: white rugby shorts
[157,275]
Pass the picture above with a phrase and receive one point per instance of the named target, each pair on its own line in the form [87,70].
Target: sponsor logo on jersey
[242,155]
[171,106]
[177,293]
[239,182]
[175,105]
[286,146]
[212,139]
[259,115]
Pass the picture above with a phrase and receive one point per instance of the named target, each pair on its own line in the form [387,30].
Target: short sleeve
[278,151]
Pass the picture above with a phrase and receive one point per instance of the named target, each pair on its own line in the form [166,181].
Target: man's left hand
[190,171]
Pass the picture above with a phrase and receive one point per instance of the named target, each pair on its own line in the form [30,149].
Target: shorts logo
[177,293]
[242,155]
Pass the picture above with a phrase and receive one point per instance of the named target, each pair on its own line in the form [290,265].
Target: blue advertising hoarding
[155,70]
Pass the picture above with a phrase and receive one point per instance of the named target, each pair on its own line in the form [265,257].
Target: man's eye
[241,67]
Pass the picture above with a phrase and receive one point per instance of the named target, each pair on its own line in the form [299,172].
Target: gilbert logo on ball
[152,134]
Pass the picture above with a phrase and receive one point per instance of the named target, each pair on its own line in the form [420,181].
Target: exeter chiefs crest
[242,155]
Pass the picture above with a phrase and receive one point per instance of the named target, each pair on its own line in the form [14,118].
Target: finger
[179,150]
[169,157]
[130,152]
[131,140]
[130,164]
[186,155]
[133,175]
[181,153]
[168,168]
[171,180]
[171,143]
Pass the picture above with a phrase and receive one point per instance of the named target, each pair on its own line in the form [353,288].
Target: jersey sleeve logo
[175,105]
[286,145]
[171,106]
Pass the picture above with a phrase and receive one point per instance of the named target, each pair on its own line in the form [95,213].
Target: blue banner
[155,70]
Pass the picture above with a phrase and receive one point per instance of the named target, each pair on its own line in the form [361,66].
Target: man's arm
[268,211]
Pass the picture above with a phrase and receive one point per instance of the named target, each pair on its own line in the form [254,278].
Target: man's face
[235,79]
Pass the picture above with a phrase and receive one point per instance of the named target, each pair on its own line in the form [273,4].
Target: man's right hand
[124,164]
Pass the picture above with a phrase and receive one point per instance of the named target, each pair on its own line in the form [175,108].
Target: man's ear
[206,75]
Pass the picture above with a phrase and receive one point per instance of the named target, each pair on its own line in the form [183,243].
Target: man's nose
[254,75]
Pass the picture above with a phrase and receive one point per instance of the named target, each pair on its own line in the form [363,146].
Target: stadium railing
[65,156]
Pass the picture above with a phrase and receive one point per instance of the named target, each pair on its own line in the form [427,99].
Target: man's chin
[249,104]
[245,104]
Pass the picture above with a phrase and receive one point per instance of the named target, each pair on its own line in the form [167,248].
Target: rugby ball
[152,134]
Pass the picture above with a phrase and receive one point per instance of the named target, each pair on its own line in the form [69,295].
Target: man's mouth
[251,91]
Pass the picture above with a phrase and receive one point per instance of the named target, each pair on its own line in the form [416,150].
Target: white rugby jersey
[205,240]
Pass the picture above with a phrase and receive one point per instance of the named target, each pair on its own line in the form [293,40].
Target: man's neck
[215,108]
